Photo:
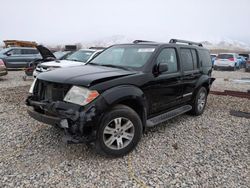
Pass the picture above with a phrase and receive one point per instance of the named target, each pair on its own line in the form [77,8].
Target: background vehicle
[227,61]
[47,56]
[248,65]
[77,58]
[242,61]
[18,57]
[129,87]
[213,57]
[3,70]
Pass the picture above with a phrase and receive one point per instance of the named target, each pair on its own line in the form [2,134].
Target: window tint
[205,58]
[195,58]
[168,56]
[187,59]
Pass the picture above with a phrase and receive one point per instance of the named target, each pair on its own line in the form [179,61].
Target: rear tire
[199,102]
[119,132]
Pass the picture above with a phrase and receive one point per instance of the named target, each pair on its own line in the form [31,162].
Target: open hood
[45,53]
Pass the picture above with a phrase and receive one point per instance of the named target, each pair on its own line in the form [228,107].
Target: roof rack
[186,42]
[139,41]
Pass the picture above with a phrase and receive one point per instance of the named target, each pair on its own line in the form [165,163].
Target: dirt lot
[229,80]
[211,150]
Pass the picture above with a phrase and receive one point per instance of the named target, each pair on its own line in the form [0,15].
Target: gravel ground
[211,150]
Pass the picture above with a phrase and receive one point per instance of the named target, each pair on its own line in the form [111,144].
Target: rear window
[225,56]
[205,58]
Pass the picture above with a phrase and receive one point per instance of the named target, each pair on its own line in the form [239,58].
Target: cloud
[63,21]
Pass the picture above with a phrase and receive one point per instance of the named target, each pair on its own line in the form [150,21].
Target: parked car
[118,94]
[3,69]
[248,65]
[46,56]
[242,61]
[213,57]
[75,59]
[18,57]
[227,61]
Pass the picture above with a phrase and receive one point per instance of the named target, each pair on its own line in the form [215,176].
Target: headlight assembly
[80,95]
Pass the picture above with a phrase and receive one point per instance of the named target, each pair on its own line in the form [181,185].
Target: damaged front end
[79,122]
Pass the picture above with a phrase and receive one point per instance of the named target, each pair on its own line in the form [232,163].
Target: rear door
[191,71]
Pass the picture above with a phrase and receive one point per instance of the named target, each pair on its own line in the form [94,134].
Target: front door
[165,89]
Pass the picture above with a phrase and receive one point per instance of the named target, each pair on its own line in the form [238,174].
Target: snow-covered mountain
[223,43]
[227,45]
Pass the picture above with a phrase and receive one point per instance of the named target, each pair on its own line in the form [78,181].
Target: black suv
[127,88]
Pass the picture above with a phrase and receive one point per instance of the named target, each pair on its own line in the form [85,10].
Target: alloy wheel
[118,133]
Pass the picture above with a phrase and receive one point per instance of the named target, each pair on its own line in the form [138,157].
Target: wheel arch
[130,96]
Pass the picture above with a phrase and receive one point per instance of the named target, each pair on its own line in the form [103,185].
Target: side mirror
[162,67]
[8,54]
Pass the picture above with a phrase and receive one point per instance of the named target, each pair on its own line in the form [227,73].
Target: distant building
[19,43]
[70,47]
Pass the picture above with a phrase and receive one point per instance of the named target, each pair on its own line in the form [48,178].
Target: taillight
[248,62]
[1,63]
[231,59]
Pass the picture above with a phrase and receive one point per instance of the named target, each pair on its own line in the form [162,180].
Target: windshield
[130,56]
[81,55]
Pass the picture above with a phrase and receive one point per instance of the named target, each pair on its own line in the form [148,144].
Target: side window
[25,51]
[15,52]
[205,58]
[29,51]
[195,58]
[168,56]
[187,59]
[33,51]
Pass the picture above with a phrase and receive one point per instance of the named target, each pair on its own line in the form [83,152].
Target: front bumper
[79,122]
[223,66]
[55,121]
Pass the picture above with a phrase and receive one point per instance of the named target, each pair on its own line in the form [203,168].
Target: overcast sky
[71,21]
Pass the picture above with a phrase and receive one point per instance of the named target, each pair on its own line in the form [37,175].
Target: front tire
[199,102]
[119,132]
